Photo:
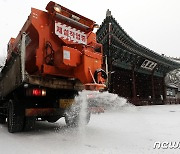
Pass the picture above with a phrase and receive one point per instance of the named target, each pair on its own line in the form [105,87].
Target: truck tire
[15,122]
[72,119]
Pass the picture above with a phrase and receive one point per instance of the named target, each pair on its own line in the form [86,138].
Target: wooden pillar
[164,90]
[152,85]
[134,95]
[109,60]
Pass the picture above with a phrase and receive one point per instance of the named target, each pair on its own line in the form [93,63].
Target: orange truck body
[60,43]
[54,56]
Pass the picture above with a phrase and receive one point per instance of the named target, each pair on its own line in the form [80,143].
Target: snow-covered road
[131,130]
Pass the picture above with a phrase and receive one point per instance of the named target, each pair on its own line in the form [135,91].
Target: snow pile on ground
[120,132]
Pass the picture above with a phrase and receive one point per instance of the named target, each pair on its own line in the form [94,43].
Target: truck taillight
[36,92]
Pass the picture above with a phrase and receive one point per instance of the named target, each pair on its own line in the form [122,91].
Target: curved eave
[118,33]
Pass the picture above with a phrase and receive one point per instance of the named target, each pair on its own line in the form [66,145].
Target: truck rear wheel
[15,122]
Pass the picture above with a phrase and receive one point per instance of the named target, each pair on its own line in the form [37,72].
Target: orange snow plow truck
[54,56]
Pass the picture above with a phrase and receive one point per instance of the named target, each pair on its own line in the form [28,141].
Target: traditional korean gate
[135,72]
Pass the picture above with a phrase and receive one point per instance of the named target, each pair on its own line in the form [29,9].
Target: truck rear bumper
[55,83]
[43,112]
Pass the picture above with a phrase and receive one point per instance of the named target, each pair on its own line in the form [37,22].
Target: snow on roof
[172,86]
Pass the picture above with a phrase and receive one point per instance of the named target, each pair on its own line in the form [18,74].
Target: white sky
[152,23]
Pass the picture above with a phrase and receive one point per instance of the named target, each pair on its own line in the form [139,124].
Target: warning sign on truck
[71,34]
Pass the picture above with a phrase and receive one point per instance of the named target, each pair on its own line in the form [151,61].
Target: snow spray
[94,99]
[81,99]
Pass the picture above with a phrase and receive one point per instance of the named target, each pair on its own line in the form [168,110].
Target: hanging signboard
[147,64]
